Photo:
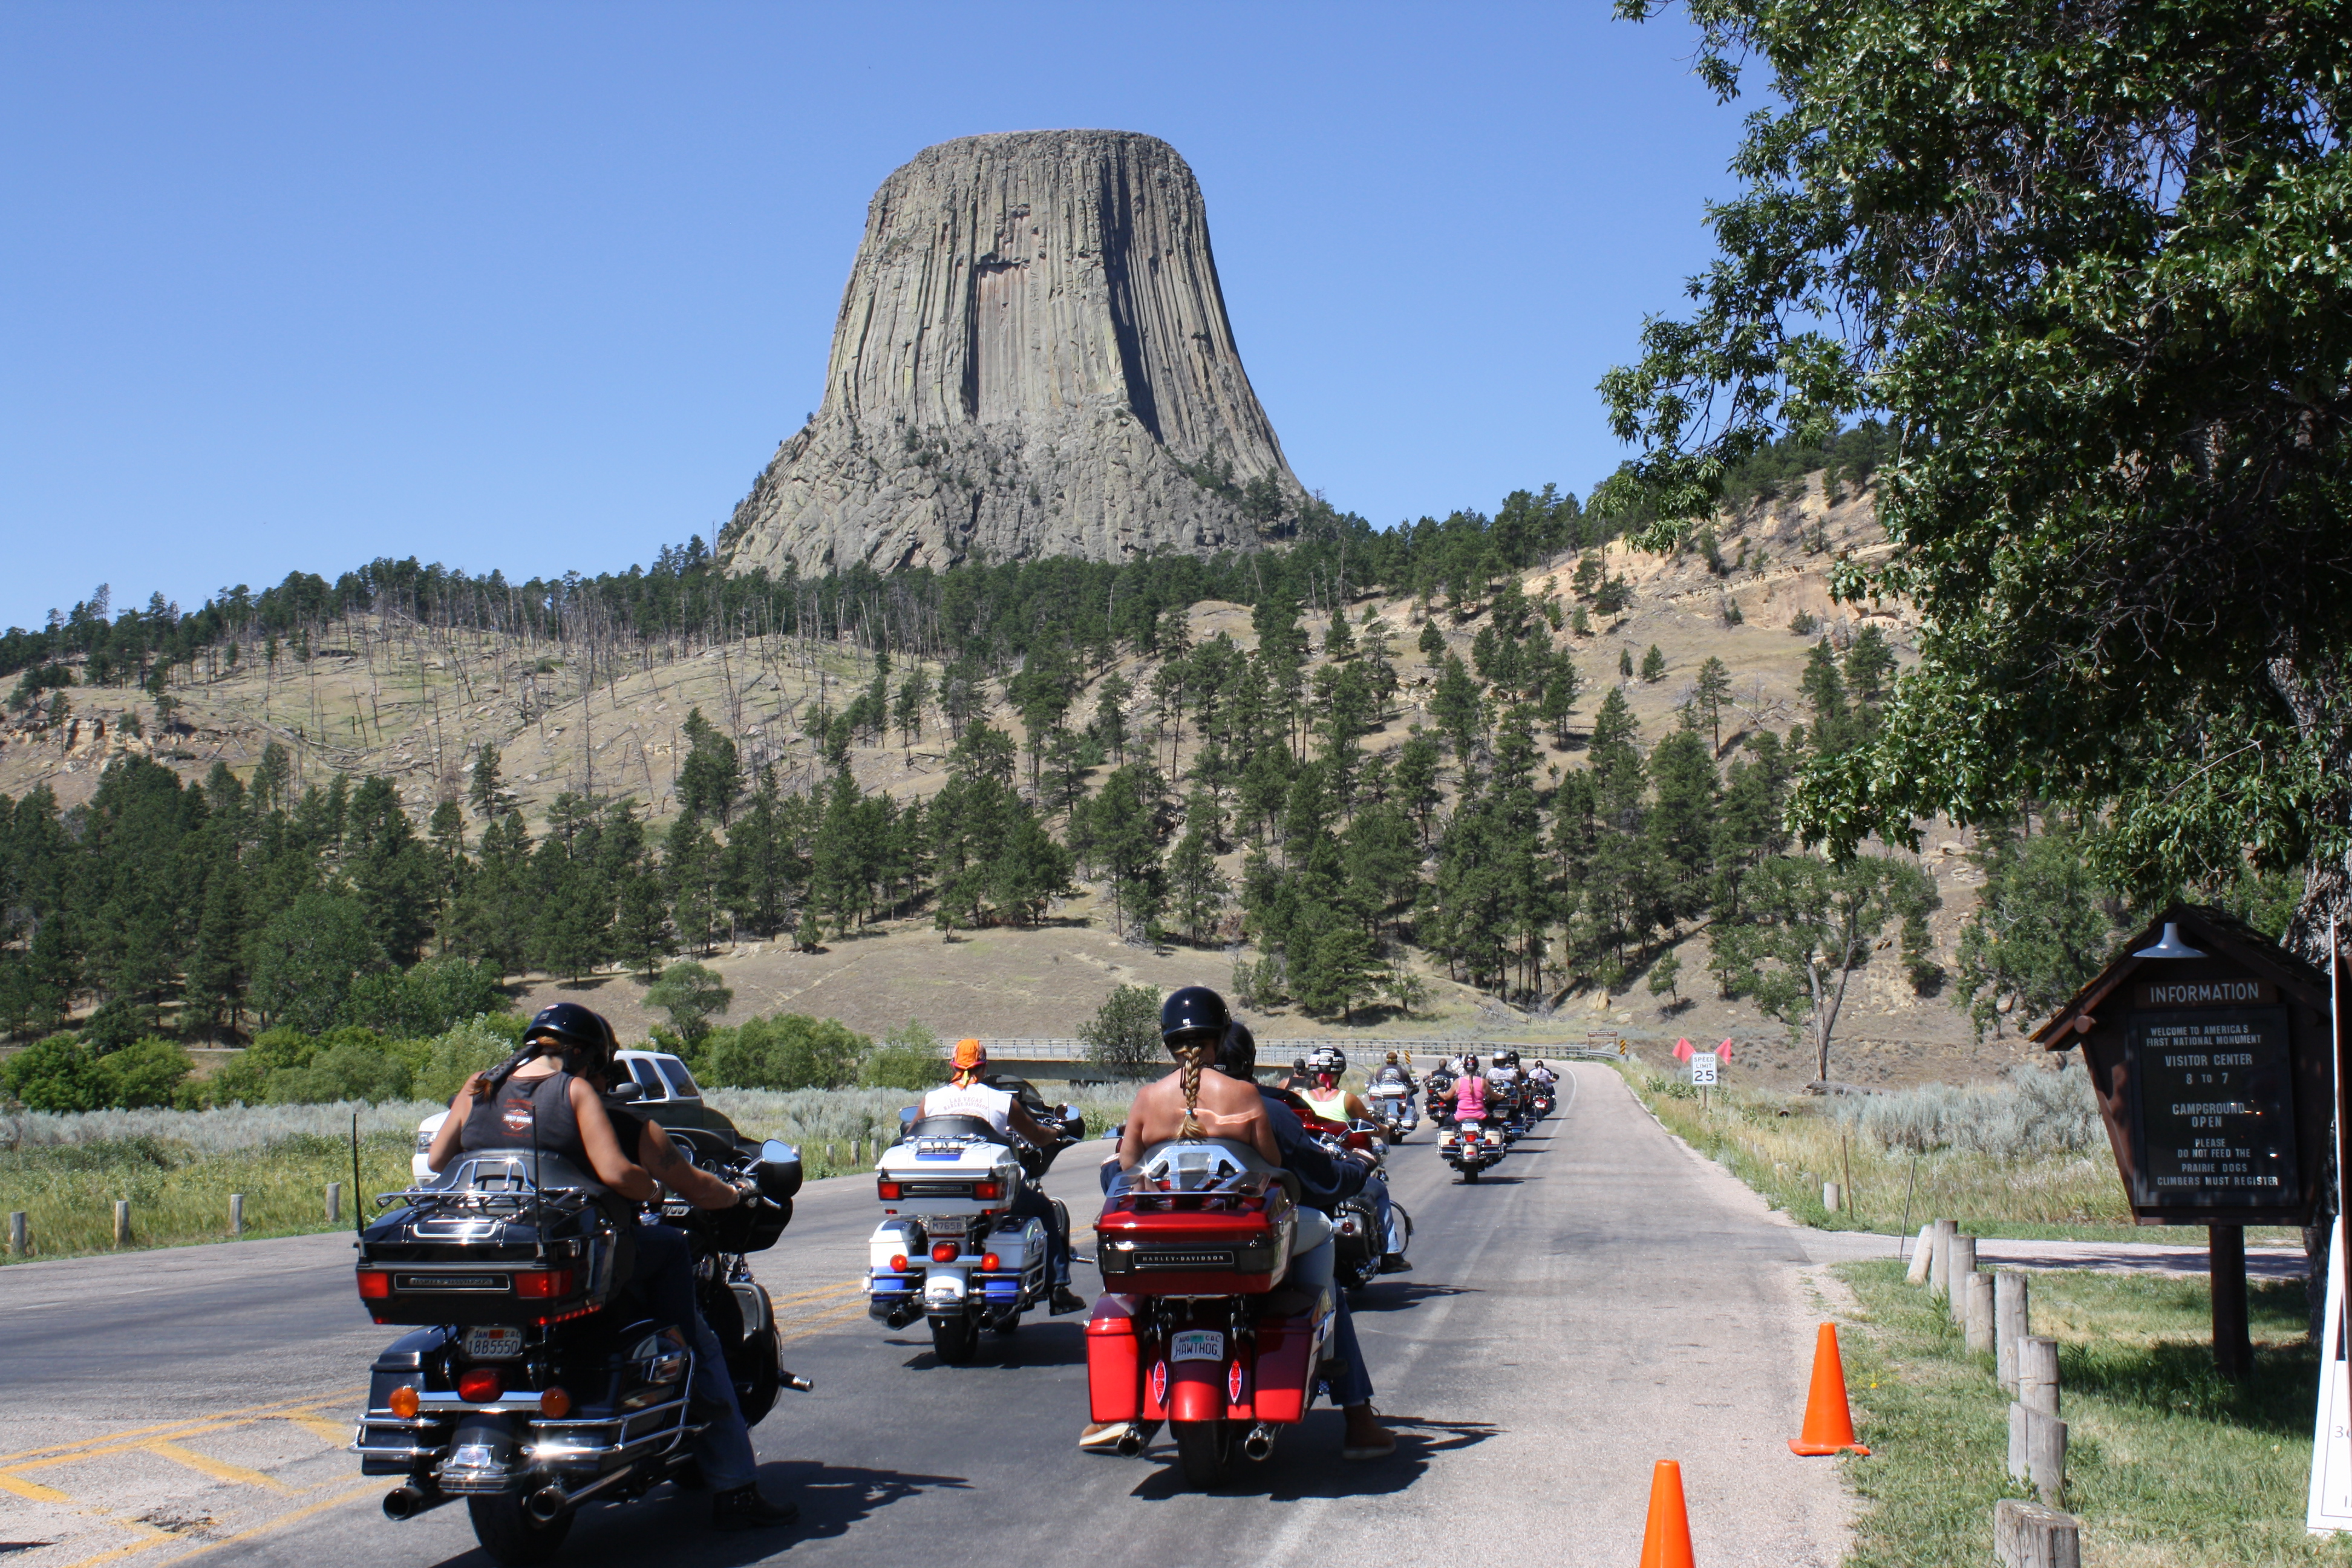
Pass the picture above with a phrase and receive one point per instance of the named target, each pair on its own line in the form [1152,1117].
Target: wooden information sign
[2214,1115]
[2213,1053]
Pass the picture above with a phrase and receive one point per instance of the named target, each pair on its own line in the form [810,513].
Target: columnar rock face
[1032,359]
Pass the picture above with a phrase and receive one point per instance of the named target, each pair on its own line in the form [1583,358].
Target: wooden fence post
[122,1222]
[2010,1322]
[1961,1260]
[1978,1287]
[334,1202]
[20,1239]
[236,1214]
[1922,1255]
[2028,1536]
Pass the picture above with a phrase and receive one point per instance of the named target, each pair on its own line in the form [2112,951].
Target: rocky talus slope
[1032,352]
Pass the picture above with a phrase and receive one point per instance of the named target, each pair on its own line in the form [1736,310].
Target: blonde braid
[1191,1058]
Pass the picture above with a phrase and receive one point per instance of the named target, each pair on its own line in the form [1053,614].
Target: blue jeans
[665,1277]
[1349,1382]
[1377,1191]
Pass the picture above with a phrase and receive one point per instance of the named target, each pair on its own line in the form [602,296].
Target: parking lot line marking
[291,1516]
[151,1539]
[335,1432]
[187,1427]
[219,1470]
[33,1490]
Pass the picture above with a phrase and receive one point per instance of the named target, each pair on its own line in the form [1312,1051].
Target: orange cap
[969,1053]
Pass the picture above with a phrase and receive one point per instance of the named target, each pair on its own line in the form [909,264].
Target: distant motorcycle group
[1481,1114]
[572,1342]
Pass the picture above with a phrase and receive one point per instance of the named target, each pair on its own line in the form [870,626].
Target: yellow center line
[804,1327]
[219,1470]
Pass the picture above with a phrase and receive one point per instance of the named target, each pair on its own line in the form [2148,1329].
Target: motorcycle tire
[1469,1173]
[1204,1449]
[509,1534]
[954,1340]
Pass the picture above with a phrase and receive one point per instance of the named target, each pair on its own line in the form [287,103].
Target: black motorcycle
[1362,1252]
[536,1382]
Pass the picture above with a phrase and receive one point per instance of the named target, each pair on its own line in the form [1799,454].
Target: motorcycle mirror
[779,1172]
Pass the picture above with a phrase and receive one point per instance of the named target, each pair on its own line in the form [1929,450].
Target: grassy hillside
[378,694]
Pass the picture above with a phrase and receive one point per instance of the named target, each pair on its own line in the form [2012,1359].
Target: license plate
[493,1345]
[1197,1345]
[948,1223]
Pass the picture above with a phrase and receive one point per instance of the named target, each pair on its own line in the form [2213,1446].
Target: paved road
[1603,1301]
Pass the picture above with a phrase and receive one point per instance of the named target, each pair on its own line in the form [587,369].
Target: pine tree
[711,778]
[1653,665]
[482,784]
[1707,693]
[1197,890]
[1433,644]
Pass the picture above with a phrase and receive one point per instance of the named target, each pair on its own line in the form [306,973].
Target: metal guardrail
[1270,1051]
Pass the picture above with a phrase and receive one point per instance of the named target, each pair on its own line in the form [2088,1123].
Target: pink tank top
[1470,1102]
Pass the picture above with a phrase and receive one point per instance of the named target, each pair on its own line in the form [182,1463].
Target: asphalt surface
[1601,1300]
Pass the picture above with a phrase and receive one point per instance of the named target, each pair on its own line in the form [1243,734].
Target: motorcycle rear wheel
[1203,1449]
[953,1340]
[509,1534]
[1469,1172]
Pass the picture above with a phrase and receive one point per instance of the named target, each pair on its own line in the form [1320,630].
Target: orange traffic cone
[1666,1543]
[1829,1424]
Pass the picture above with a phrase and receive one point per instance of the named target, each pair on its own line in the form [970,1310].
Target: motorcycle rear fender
[945,1284]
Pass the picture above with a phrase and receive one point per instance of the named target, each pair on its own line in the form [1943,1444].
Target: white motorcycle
[1391,1106]
[948,1247]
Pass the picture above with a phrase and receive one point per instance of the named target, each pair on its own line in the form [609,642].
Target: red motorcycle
[1198,1330]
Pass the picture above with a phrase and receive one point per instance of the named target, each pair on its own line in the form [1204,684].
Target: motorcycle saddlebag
[1114,1367]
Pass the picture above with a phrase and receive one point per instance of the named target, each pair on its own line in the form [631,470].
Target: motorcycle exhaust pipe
[1259,1444]
[1131,1442]
[547,1503]
[794,1381]
[407,1503]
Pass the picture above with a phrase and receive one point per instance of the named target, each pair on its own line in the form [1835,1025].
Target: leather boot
[744,1508]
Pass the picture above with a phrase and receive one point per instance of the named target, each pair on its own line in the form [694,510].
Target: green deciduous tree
[1810,924]
[692,994]
[1123,1037]
[2088,262]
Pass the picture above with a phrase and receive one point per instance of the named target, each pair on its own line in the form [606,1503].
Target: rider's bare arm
[1029,1127]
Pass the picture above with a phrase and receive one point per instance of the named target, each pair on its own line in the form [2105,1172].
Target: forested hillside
[1505,754]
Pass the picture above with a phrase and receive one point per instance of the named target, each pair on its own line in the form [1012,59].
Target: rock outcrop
[1032,359]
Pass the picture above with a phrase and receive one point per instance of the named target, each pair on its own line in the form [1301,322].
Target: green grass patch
[2169,1466]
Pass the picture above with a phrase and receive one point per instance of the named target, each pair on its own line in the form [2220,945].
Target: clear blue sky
[540,286]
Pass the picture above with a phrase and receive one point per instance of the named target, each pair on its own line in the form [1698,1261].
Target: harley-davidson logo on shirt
[515,1114]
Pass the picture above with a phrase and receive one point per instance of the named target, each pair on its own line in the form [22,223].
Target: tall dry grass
[178,1168]
[2019,1158]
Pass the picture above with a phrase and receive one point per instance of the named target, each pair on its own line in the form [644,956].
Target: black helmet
[1508,1059]
[1194,1011]
[1237,1052]
[586,1038]
[1328,1059]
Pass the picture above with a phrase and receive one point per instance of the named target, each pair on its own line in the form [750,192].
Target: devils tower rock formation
[1032,359]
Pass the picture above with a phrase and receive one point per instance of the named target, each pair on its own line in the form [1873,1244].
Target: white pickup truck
[667,1093]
